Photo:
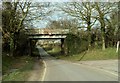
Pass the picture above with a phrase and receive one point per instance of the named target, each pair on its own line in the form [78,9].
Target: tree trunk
[117,46]
[103,38]
[89,37]
[11,47]
[103,33]
[96,39]
[89,41]
[103,42]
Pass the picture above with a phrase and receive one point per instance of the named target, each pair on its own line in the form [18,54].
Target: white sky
[74,0]
[65,0]
[56,15]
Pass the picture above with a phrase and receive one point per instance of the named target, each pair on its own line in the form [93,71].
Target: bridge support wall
[30,48]
[62,46]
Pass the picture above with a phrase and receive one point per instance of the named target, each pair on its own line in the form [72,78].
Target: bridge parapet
[47,31]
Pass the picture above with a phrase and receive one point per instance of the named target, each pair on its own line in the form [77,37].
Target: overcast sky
[56,15]
[65,0]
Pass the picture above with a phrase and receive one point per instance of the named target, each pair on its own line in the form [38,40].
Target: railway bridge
[47,33]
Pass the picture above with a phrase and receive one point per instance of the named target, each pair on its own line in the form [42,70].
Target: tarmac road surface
[60,70]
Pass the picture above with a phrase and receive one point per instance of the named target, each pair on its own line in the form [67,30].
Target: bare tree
[103,10]
[37,12]
[83,11]
[13,16]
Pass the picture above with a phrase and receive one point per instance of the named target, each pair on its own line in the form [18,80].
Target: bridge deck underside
[46,36]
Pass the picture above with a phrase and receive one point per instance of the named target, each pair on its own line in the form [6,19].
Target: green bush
[74,44]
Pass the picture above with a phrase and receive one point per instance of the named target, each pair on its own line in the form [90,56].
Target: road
[60,70]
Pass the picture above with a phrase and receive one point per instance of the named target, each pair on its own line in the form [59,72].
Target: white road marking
[44,71]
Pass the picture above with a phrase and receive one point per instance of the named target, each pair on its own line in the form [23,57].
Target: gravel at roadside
[109,65]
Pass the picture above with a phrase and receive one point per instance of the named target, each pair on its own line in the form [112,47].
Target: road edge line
[44,72]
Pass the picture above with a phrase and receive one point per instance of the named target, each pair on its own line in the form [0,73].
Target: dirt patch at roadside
[37,72]
[109,65]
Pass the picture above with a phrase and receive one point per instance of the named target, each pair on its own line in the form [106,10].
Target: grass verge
[95,54]
[17,69]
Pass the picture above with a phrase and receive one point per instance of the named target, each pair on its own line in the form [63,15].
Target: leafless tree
[84,12]
[103,10]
